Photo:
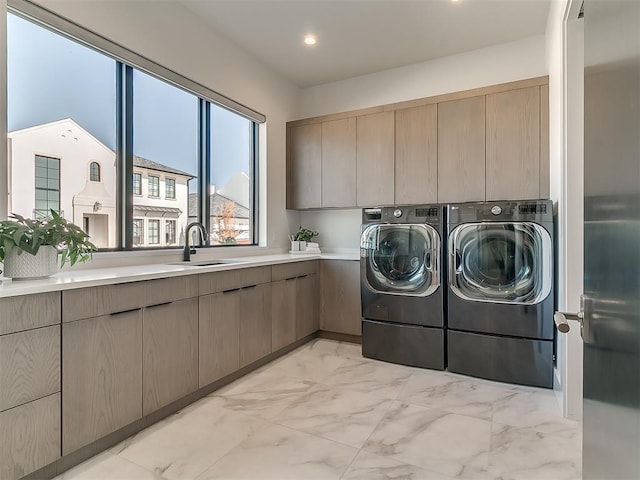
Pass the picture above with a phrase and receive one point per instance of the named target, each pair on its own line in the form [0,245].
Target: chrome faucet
[188,250]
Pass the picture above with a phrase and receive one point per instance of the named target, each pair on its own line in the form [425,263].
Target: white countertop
[81,278]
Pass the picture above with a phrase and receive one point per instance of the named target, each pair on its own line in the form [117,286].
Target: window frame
[156,184]
[155,240]
[137,192]
[45,212]
[166,190]
[127,60]
[141,229]
[171,230]
[98,171]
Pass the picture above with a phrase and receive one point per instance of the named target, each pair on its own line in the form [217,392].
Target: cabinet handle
[125,311]
[230,290]
[303,276]
[159,304]
[291,278]
[250,286]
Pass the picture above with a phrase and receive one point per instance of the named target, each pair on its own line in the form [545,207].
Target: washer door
[500,262]
[401,259]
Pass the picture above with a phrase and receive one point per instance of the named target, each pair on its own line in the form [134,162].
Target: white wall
[172,36]
[487,66]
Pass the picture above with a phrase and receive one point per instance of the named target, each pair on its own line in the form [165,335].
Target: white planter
[20,264]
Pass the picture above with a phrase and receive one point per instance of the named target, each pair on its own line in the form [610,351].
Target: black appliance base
[504,359]
[410,345]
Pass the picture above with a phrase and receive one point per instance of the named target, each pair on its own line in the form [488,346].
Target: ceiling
[357,37]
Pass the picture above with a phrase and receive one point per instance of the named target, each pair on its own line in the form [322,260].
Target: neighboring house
[75,174]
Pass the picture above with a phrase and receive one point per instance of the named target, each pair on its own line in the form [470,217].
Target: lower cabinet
[340,309]
[283,313]
[101,377]
[170,353]
[219,336]
[29,437]
[255,323]
[307,318]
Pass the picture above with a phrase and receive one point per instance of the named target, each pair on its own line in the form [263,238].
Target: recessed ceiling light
[309,39]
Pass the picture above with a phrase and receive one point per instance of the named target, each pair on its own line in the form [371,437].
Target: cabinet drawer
[294,269]
[97,301]
[254,276]
[29,437]
[29,311]
[29,366]
[171,289]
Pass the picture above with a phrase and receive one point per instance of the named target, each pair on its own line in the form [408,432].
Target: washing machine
[401,255]
[500,294]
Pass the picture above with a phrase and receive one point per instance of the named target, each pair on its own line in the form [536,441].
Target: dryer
[401,254]
[500,291]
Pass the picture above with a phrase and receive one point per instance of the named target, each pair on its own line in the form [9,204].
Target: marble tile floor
[324,412]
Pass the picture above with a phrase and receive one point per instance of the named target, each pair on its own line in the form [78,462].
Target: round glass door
[500,262]
[401,259]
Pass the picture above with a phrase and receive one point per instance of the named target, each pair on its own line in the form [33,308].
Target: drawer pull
[230,290]
[250,286]
[159,305]
[125,311]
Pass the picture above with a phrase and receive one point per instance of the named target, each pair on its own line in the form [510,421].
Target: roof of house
[216,203]
[151,165]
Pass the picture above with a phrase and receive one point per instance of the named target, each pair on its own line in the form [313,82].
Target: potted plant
[303,236]
[30,248]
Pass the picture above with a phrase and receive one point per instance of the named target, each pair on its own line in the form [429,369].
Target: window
[154,232]
[94,171]
[170,188]
[137,184]
[47,186]
[170,232]
[138,231]
[154,186]
[68,91]
[150,123]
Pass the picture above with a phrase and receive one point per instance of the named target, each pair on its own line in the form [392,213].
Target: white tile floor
[325,412]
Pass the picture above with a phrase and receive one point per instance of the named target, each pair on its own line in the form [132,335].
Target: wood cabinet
[283,313]
[340,309]
[219,335]
[95,301]
[513,144]
[102,377]
[26,312]
[29,437]
[255,323]
[461,150]
[416,159]
[339,163]
[307,303]
[170,352]
[375,159]
[304,168]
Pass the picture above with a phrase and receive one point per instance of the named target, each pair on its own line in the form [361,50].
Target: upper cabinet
[461,144]
[490,143]
[339,163]
[304,166]
[513,144]
[375,173]
[416,143]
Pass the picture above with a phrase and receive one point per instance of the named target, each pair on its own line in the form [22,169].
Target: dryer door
[501,262]
[401,259]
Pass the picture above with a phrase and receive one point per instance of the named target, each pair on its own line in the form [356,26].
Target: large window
[47,186]
[160,144]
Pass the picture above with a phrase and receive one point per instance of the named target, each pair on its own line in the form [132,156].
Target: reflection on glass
[61,100]
[231,195]
[164,182]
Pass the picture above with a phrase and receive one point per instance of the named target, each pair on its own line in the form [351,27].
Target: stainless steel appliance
[500,291]
[401,254]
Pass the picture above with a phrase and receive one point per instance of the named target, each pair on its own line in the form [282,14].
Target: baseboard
[341,337]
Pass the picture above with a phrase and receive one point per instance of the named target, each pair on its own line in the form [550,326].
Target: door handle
[562,319]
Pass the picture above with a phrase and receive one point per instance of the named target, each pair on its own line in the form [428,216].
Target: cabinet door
[513,144]
[340,297]
[461,150]
[375,159]
[26,312]
[255,323]
[304,166]
[170,352]
[339,163]
[29,366]
[101,377]
[416,173]
[307,305]
[29,437]
[219,336]
[283,313]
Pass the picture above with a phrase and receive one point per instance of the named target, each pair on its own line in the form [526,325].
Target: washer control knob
[496,210]
[397,213]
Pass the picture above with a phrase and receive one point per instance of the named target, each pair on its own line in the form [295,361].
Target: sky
[51,78]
